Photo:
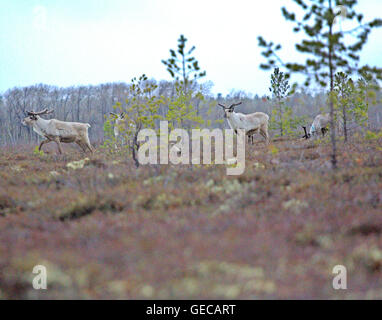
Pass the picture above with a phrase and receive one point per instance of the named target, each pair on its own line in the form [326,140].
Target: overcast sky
[80,42]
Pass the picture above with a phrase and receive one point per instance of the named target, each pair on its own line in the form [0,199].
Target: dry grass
[111,231]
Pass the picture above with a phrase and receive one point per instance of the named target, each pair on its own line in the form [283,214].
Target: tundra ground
[109,230]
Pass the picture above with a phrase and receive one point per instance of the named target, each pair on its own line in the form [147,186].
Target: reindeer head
[34,116]
[120,116]
[228,110]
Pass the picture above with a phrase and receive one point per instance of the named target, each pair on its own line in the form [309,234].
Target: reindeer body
[117,127]
[123,125]
[320,124]
[59,131]
[252,123]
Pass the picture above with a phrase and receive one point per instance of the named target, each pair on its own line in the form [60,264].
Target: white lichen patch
[75,165]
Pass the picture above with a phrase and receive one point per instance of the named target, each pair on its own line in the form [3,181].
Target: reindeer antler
[235,104]
[231,106]
[120,116]
[45,111]
[306,135]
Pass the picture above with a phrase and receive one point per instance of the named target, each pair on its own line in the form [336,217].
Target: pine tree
[183,65]
[344,90]
[279,89]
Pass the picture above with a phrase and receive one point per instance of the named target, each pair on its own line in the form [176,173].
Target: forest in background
[92,104]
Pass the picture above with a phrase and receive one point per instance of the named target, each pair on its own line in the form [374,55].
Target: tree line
[92,104]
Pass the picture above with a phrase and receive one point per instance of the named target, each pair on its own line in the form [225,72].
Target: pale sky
[81,42]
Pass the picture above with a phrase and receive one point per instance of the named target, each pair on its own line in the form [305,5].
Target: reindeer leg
[88,145]
[250,138]
[262,133]
[42,143]
[81,146]
[57,140]
[266,134]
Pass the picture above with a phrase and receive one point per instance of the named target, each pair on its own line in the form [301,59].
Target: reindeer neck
[40,126]
[234,119]
[42,123]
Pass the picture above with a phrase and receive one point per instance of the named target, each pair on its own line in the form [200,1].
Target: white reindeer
[252,123]
[121,125]
[58,131]
[320,124]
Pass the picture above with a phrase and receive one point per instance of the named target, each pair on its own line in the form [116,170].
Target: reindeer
[320,124]
[58,131]
[121,124]
[252,123]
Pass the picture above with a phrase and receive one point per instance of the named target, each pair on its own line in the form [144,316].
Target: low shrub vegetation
[106,229]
